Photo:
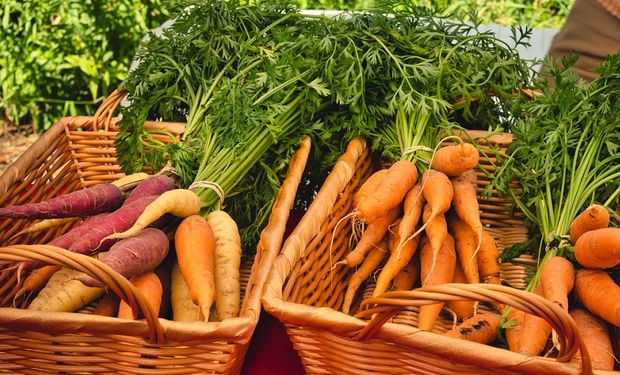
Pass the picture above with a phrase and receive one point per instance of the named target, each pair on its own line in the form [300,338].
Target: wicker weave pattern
[78,152]
[307,296]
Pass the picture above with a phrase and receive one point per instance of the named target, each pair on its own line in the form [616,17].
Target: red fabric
[271,352]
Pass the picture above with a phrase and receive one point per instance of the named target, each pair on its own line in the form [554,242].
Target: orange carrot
[36,280]
[195,247]
[412,208]
[438,191]
[370,263]
[598,248]
[465,203]
[466,245]
[462,309]
[488,257]
[593,217]
[436,230]
[408,276]
[108,306]
[389,193]
[455,159]
[530,337]
[373,234]
[369,186]
[481,328]
[595,336]
[399,258]
[435,274]
[557,278]
[149,285]
[598,292]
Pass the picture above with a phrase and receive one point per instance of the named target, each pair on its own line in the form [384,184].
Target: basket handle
[105,112]
[120,285]
[388,304]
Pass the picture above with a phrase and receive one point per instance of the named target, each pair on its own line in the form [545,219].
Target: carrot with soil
[134,255]
[149,285]
[466,245]
[481,328]
[437,273]
[557,279]
[389,192]
[370,263]
[195,246]
[593,217]
[598,292]
[85,202]
[462,309]
[227,262]
[599,248]
[595,335]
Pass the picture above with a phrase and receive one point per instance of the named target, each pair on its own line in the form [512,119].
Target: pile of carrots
[131,225]
[428,232]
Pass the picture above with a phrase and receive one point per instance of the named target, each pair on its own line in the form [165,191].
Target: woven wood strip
[78,152]
[303,284]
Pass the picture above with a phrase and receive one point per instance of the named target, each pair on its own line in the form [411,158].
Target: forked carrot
[412,211]
[370,263]
[481,328]
[374,233]
[441,272]
[436,231]
[593,217]
[389,193]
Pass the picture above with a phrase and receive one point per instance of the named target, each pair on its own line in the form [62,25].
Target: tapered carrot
[488,263]
[412,211]
[466,244]
[441,272]
[370,263]
[438,191]
[557,278]
[149,285]
[595,335]
[481,328]
[436,230]
[374,233]
[462,309]
[598,292]
[465,203]
[598,248]
[455,159]
[389,193]
[369,186]
[195,246]
[36,280]
[399,258]
[408,276]
[530,337]
[593,217]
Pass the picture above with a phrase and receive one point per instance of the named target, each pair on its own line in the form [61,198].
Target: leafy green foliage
[62,57]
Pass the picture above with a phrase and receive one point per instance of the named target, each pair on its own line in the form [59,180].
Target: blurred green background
[62,57]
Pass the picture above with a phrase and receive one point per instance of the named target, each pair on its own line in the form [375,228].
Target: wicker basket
[306,294]
[78,152]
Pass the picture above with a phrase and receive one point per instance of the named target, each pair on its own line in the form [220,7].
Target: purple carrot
[134,255]
[86,202]
[117,221]
[154,185]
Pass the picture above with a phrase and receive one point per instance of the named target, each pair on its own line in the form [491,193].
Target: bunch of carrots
[129,225]
[428,231]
